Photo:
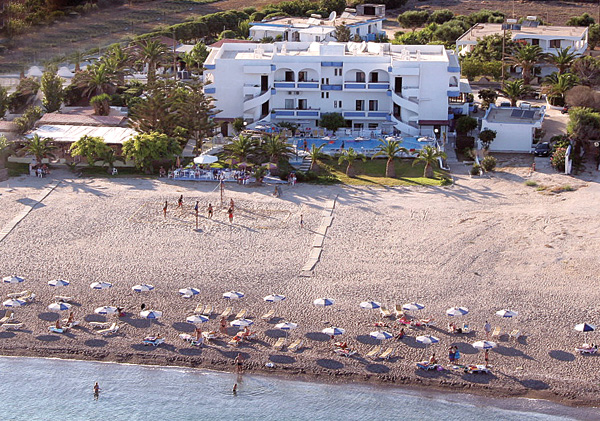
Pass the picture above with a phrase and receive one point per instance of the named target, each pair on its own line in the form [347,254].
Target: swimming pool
[365,146]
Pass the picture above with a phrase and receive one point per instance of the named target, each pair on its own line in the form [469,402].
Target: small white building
[375,86]
[514,127]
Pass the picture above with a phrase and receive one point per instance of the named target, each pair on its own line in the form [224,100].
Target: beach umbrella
[242,322]
[245,164]
[59,306]
[233,295]
[58,283]
[427,340]
[14,303]
[286,326]
[188,292]
[273,298]
[100,285]
[12,279]
[205,159]
[106,310]
[457,311]
[197,319]
[333,331]
[270,166]
[34,71]
[412,307]
[151,314]
[370,305]
[585,327]
[142,288]
[507,313]
[64,72]
[323,302]
[381,335]
[485,345]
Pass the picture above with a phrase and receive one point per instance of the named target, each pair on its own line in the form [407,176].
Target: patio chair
[374,351]
[296,345]
[279,344]
[199,309]
[387,354]
[12,326]
[399,312]
[112,329]
[8,315]
[208,310]
[516,334]
[269,315]
[241,314]
[497,332]
[385,312]
[227,312]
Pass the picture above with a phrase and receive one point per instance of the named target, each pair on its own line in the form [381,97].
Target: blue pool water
[349,142]
[49,389]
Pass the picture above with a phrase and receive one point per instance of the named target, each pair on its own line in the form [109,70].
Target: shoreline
[309,375]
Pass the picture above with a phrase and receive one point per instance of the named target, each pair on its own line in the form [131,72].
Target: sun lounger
[477,369]
[399,312]
[18,294]
[199,309]
[112,329]
[235,341]
[296,345]
[29,297]
[99,325]
[227,312]
[63,298]
[424,365]
[8,315]
[208,310]
[385,312]
[374,351]
[387,354]
[427,322]
[587,349]
[269,315]
[515,334]
[55,329]
[465,328]
[279,344]
[209,335]
[496,332]
[241,314]
[12,326]
[250,336]
[71,324]
[345,352]
[152,340]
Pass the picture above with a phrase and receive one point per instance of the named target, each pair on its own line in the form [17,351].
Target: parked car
[542,149]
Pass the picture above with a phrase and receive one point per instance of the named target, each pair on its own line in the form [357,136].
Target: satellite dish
[332,16]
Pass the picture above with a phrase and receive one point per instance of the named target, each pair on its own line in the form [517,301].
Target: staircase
[305,165]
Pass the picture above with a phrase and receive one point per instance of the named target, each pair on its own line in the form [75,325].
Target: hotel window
[360,105]
[535,41]
[340,104]
[374,76]
[302,104]
[373,105]
[317,38]
[302,76]
[554,43]
[289,104]
[360,77]
[373,126]
[324,94]
[289,76]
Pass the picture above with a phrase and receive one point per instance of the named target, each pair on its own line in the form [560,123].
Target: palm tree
[241,148]
[153,53]
[276,148]
[315,154]
[350,155]
[389,149]
[190,61]
[76,58]
[118,62]
[514,90]
[97,79]
[562,59]
[39,147]
[429,156]
[556,86]
[110,157]
[526,57]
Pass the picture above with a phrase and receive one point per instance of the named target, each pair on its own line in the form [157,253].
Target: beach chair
[71,324]
[8,315]
[12,326]
[465,328]
[29,297]
[18,294]
[55,329]
[515,334]
[385,312]
[152,340]
[227,312]
[496,333]
[296,345]
[99,325]
[344,352]
[241,314]
[269,315]
[63,298]
[398,311]
[235,341]
[427,322]
[208,336]
[373,352]
[279,344]
[387,354]
[208,310]
[199,309]
[112,329]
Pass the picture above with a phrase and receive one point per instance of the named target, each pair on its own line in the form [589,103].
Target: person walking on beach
[210,211]
[230,213]
[487,327]
[165,208]
[180,201]
[301,221]
[239,362]
[196,207]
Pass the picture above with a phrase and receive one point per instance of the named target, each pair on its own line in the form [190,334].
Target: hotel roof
[481,30]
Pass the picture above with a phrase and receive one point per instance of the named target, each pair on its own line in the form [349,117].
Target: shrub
[531,183]
[23,95]
[489,163]
[257,16]
[475,169]
[558,159]
[446,181]
[465,124]
[28,119]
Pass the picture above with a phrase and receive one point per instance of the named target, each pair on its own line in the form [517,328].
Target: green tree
[93,148]
[109,157]
[315,154]
[556,85]
[243,29]
[563,59]
[259,174]
[587,69]
[194,111]
[584,124]
[429,156]
[413,19]
[3,101]
[487,136]
[594,35]
[153,54]
[96,80]
[276,148]
[583,20]
[146,148]
[238,124]
[514,90]
[489,48]
[28,119]
[118,61]
[342,32]
[200,53]
[389,149]
[465,124]
[39,147]
[441,16]
[24,94]
[333,5]
[52,89]
[101,104]
[76,58]
[350,155]
[242,148]
[332,121]
[488,97]
[527,57]
[155,113]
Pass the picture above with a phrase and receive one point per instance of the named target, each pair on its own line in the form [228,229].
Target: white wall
[510,137]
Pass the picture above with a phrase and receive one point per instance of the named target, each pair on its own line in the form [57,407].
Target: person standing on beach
[165,208]
[180,201]
[223,328]
[210,211]
[301,221]
[239,362]
[196,207]
[451,354]
[230,212]
[231,205]
[96,390]
[487,327]
[486,357]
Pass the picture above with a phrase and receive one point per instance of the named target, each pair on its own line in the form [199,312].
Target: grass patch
[541,188]
[531,183]
[372,173]
[561,189]
[16,169]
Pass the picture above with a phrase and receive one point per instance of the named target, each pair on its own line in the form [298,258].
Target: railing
[256,100]
[296,112]
[405,102]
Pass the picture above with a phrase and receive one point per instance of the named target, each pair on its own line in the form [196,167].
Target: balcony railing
[296,112]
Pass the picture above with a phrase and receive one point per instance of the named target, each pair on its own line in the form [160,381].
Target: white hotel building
[374,86]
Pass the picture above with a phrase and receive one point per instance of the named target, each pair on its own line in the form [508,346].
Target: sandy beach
[485,244]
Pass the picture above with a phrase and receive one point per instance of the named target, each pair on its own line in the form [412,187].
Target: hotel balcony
[291,113]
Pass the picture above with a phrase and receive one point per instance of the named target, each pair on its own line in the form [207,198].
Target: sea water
[51,389]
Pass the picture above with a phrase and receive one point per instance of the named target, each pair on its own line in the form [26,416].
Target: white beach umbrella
[13,303]
[286,326]
[151,314]
[273,298]
[59,306]
[457,311]
[242,322]
[381,335]
[205,159]
[104,310]
[427,339]
[142,288]
[485,345]
[100,285]
[412,307]
[333,331]
[507,313]
[370,305]
[233,295]
[189,292]
[58,283]
[585,327]
[13,279]
[323,302]
[197,319]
